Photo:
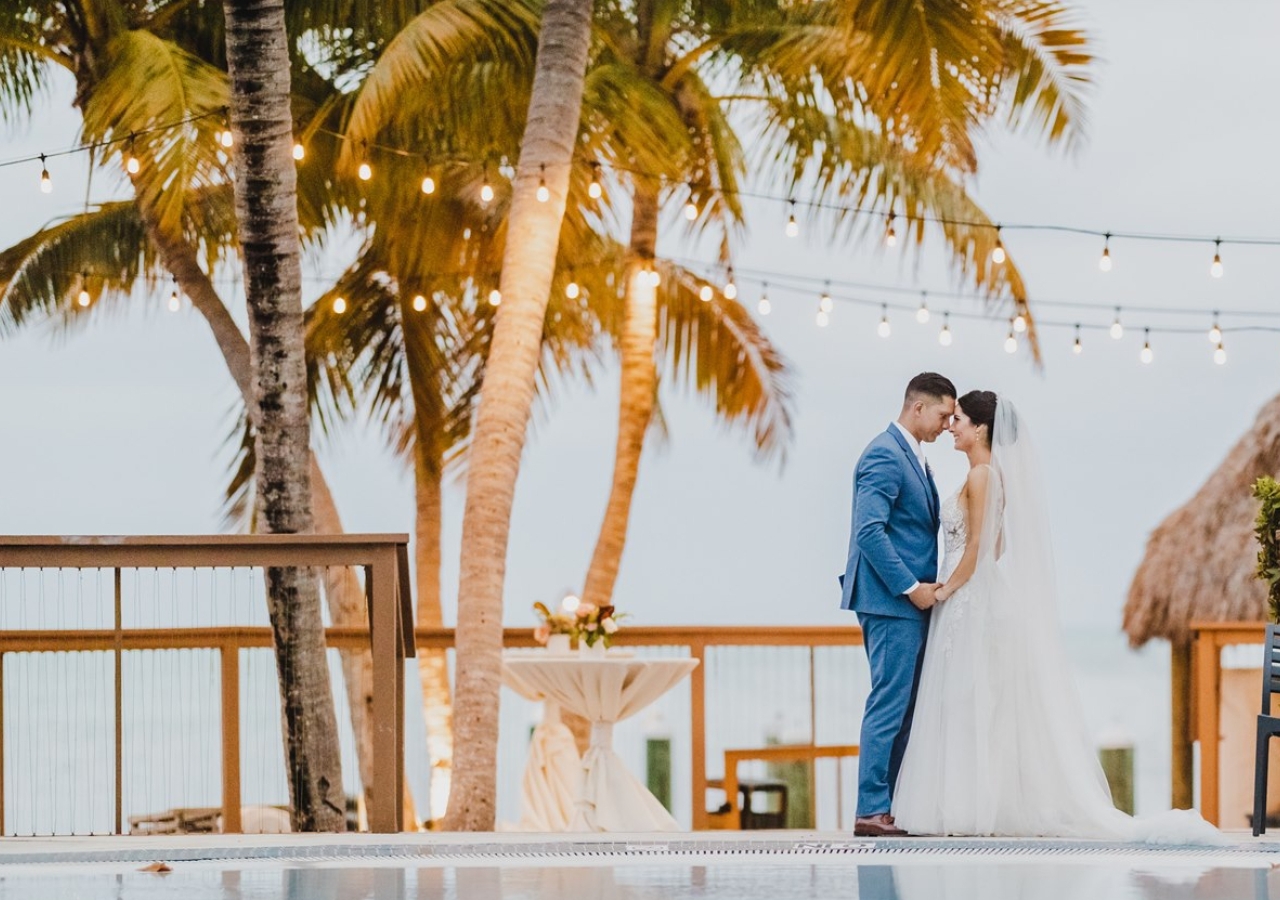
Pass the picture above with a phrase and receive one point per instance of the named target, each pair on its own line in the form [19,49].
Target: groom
[889,582]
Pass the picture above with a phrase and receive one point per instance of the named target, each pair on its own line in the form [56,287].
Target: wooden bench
[730,816]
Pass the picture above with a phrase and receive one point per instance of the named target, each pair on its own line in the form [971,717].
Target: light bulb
[890,236]
[572,290]
[339,305]
[922,314]
[883,329]
[1020,323]
[691,210]
[570,603]
[174,302]
[1215,333]
[998,254]
[825,303]
[84,299]
[1216,269]
[1117,330]
[944,336]
[730,289]
[1104,262]
[793,227]
[544,193]
[1010,343]
[1077,348]
[226,138]
[131,165]
[495,297]
[366,171]
[594,190]
[764,306]
[299,151]
[705,293]
[654,279]
[1220,355]
[823,318]
[428,185]
[46,184]
[1147,355]
[486,193]
[419,303]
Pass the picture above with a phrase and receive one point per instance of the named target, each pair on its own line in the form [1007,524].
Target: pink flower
[590,626]
[541,633]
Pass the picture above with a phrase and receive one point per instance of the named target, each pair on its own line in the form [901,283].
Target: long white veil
[1040,744]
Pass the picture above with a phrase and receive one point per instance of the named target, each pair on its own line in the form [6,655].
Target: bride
[999,744]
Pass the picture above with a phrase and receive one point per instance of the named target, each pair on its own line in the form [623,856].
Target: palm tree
[136,66]
[502,417]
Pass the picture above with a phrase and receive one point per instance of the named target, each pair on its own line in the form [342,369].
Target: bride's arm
[976,497]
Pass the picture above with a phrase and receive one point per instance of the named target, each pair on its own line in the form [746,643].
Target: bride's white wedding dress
[999,744]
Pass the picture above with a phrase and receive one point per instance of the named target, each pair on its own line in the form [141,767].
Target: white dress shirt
[924,466]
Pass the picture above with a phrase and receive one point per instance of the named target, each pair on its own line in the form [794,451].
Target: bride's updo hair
[980,407]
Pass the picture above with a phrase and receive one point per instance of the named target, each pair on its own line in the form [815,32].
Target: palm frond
[1047,67]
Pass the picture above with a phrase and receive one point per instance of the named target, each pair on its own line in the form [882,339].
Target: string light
[793,227]
[690,208]
[131,164]
[997,253]
[572,290]
[84,299]
[1147,354]
[922,314]
[652,278]
[825,303]
[1216,269]
[1077,348]
[46,183]
[1220,355]
[419,303]
[594,190]
[544,193]
[764,307]
[704,294]
[495,297]
[1020,322]
[1117,330]
[890,236]
[225,137]
[299,151]
[339,305]
[428,184]
[1104,263]
[884,330]
[1215,333]
[486,189]
[730,289]
[944,336]
[1010,342]
[175,302]
[365,171]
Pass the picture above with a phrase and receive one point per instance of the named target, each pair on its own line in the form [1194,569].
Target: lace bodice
[955,533]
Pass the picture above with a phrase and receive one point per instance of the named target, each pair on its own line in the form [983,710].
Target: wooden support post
[698,733]
[388,663]
[119,702]
[1182,788]
[231,799]
[1208,728]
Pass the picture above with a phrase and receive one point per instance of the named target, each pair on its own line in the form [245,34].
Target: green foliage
[1267,490]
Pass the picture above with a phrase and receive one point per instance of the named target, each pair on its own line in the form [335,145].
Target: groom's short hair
[931,385]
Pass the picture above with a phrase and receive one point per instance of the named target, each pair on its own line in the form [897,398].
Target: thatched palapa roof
[1200,561]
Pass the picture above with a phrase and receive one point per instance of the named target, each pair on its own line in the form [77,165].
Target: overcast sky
[120,428]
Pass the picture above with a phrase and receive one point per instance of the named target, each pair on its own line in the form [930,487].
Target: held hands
[924,596]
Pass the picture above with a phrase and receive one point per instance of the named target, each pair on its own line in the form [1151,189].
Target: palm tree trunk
[267,213]
[502,419]
[635,408]
[433,665]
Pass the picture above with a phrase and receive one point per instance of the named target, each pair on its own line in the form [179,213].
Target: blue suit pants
[895,649]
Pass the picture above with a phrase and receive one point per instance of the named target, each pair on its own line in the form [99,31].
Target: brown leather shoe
[877,826]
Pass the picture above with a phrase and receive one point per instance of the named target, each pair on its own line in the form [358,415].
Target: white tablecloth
[553,773]
[603,691]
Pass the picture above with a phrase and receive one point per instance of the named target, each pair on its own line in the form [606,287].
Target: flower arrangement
[585,623]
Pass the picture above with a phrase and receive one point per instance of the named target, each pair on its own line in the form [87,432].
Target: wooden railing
[384,560]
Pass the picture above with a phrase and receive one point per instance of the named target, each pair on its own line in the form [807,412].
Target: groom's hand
[924,596]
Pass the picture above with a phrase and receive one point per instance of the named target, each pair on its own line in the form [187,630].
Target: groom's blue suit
[893,544]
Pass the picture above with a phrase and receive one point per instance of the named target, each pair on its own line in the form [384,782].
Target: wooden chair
[1268,727]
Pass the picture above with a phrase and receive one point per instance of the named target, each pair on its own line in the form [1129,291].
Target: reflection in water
[737,879]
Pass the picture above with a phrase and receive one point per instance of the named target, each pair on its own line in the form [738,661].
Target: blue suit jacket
[894,537]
